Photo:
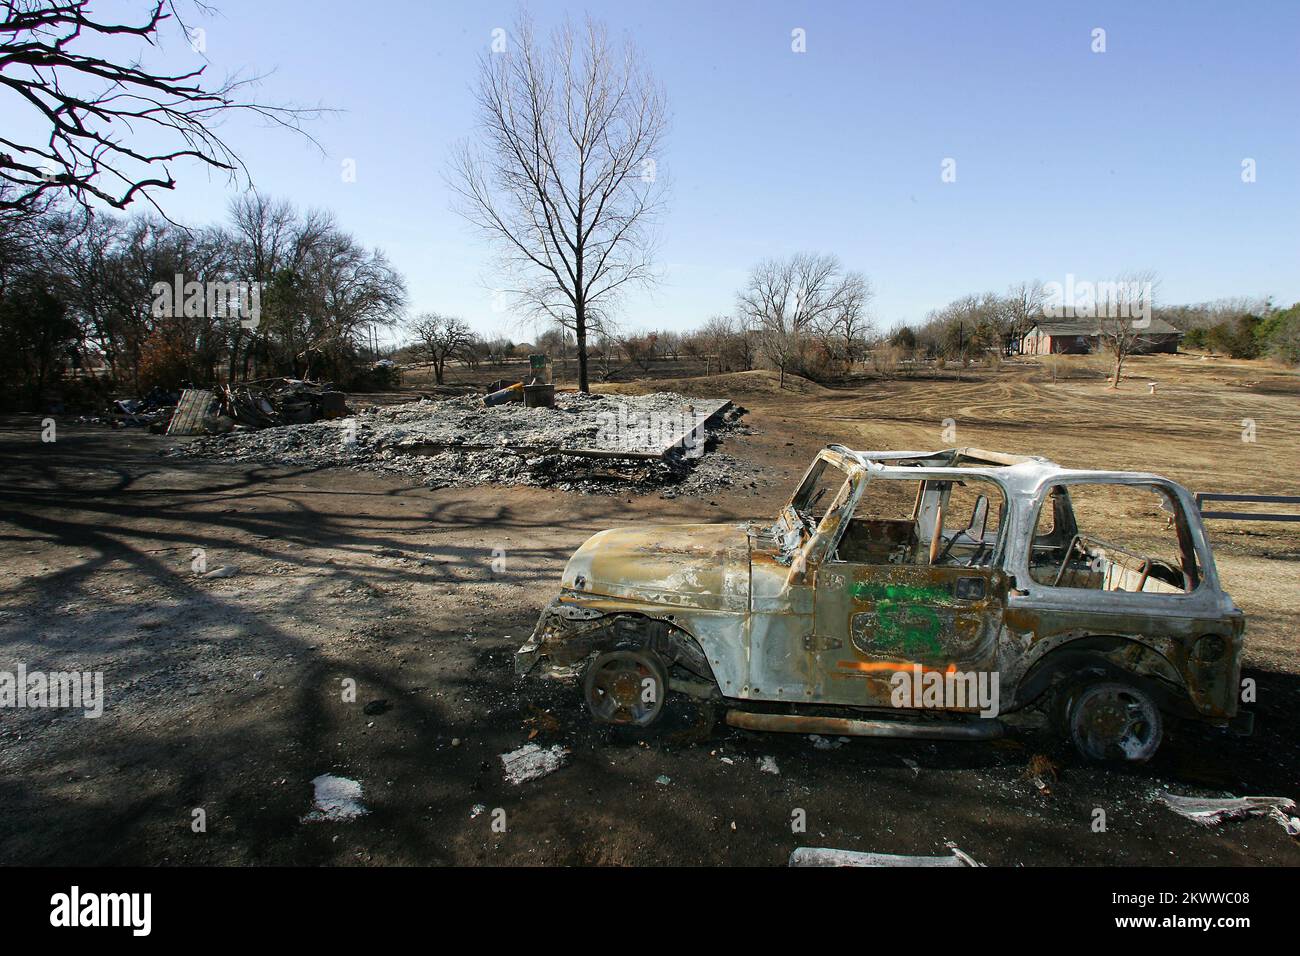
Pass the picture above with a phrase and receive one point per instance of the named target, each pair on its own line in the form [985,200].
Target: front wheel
[626,687]
[1112,721]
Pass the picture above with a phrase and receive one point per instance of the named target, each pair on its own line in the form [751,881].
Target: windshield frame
[813,538]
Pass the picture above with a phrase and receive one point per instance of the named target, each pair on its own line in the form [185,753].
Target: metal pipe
[511,393]
[985,729]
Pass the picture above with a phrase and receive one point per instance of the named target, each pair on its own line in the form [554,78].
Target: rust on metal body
[855,727]
[826,605]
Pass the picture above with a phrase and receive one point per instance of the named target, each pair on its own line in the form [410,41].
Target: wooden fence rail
[1249,515]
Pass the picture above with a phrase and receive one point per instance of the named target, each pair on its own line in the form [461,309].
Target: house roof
[1084,326]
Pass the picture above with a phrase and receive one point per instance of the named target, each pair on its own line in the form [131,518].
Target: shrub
[1279,335]
[380,377]
[1236,339]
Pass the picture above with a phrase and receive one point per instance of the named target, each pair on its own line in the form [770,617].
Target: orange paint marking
[891,666]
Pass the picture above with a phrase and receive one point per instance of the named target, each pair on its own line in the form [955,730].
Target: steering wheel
[953,540]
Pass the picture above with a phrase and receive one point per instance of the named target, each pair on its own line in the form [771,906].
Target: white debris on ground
[461,442]
[822,856]
[336,800]
[1211,811]
[532,761]
[768,765]
[1289,823]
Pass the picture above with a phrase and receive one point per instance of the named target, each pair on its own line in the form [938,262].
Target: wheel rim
[1116,722]
[625,687]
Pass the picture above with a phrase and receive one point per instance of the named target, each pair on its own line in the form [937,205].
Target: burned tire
[626,687]
[1111,721]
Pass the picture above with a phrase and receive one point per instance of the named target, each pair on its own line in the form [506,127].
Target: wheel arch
[669,636]
[1110,657]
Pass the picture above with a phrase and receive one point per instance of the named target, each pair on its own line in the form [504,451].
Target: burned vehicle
[914,594]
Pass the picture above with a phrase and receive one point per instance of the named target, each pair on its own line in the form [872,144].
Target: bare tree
[474,351]
[787,299]
[270,242]
[1022,305]
[712,342]
[323,294]
[113,127]
[849,320]
[639,347]
[346,292]
[670,344]
[439,338]
[564,180]
[1124,313]
[498,350]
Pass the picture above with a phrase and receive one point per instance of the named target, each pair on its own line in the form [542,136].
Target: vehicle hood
[687,565]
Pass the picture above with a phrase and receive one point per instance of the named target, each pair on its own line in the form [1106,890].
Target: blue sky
[1067,161]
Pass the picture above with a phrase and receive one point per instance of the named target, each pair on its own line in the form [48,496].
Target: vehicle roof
[945,458]
[1022,471]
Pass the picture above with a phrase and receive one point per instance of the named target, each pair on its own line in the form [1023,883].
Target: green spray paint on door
[905,620]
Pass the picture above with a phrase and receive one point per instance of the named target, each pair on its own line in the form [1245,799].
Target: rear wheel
[1112,721]
[626,687]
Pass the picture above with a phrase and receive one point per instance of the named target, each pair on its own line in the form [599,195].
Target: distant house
[1080,336]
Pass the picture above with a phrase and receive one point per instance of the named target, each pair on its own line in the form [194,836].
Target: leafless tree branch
[100,114]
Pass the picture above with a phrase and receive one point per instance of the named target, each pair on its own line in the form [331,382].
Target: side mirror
[979,519]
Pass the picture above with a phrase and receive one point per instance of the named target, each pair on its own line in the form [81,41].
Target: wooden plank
[194,406]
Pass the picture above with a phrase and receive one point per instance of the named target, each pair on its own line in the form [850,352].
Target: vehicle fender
[1117,658]
[710,644]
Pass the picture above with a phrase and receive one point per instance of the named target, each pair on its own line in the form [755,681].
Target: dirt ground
[227,695]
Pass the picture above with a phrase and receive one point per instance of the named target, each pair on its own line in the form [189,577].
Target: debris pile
[1211,811]
[279,401]
[585,443]
[261,404]
[152,411]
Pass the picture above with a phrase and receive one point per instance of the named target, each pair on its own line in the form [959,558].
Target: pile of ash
[586,443]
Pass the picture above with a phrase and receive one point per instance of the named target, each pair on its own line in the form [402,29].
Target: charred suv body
[893,585]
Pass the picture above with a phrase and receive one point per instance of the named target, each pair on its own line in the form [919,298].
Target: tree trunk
[234,355]
[580,333]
